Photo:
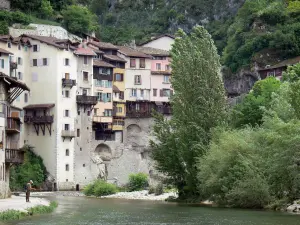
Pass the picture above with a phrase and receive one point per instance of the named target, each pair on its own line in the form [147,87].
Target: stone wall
[44,30]
[4,5]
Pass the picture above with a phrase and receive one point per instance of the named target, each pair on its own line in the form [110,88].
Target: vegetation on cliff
[197,107]
[33,168]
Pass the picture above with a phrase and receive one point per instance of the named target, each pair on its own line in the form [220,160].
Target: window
[2,63]
[67,113]
[85,76]
[78,132]
[26,48]
[19,47]
[83,165]
[137,79]
[67,126]
[168,68]
[166,79]
[154,92]
[9,44]
[20,77]
[67,152]
[67,76]
[84,91]
[19,61]
[67,167]
[120,109]
[121,95]
[67,62]
[137,107]
[165,93]
[67,94]
[34,62]
[88,113]
[95,111]
[104,71]
[107,112]
[85,60]
[142,93]
[142,63]
[35,48]
[158,66]
[45,62]
[133,92]
[78,112]
[118,77]
[132,63]
[271,74]
[25,97]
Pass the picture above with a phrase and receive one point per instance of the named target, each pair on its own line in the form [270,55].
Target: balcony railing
[68,133]
[13,125]
[86,100]
[13,65]
[138,114]
[68,82]
[15,156]
[38,119]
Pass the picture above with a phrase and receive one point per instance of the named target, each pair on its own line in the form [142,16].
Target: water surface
[90,211]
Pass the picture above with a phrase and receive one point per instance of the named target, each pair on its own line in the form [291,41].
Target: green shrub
[151,190]
[100,188]
[137,182]
[159,189]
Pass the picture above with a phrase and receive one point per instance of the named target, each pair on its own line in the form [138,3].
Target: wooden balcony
[138,114]
[68,82]
[38,119]
[13,65]
[13,125]
[14,156]
[86,100]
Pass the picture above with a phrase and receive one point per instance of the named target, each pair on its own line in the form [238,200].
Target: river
[90,211]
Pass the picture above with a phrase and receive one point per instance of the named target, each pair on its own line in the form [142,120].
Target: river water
[91,211]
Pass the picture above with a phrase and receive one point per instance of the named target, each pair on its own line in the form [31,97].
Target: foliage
[46,9]
[292,74]
[100,188]
[78,19]
[198,106]
[16,215]
[159,189]
[250,111]
[25,5]
[4,28]
[137,182]
[33,168]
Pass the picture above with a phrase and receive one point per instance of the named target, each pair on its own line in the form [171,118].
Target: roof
[4,51]
[158,37]
[39,106]
[81,50]
[14,83]
[103,45]
[161,73]
[153,51]
[114,58]
[100,63]
[116,89]
[130,52]
[284,63]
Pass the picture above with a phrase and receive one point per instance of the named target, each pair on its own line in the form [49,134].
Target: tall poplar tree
[198,106]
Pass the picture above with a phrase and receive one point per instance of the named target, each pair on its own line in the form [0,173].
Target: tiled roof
[14,82]
[39,106]
[84,51]
[284,63]
[4,51]
[47,40]
[104,45]
[100,63]
[130,52]
[153,51]
[158,37]
[114,58]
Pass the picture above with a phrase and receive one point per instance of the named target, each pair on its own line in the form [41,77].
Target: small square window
[80,149]
[132,63]
[83,165]
[19,61]
[166,79]
[158,66]
[137,79]
[67,152]
[67,167]
[45,61]
[142,63]
[35,48]
[67,62]
[19,47]
[67,94]
[85,76]
[67,126]
[67,112]
[78,134]
[85,60]
[9,44]
[34,62]
[154,92]
[25,97]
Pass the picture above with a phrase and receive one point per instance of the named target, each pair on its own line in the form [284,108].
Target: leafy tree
[33,168]
[4,28]
[25,5]
[198,106]
[46,9]
[250,111]
[78,19]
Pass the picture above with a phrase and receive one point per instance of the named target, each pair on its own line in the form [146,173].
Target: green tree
[78,19]
[25,5]
[198,106]
[46,9]
[250,111]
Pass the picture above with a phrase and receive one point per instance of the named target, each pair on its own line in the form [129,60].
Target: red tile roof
[100,63]
[130,52]
[114,58]
[84,51]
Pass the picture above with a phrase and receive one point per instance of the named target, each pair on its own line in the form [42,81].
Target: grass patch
[17,215]
[46,22]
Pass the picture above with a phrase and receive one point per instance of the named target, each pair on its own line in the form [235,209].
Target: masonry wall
[4,5]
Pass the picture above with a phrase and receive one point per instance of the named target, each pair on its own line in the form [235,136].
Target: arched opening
[133,130]
[55,186]
[104,152]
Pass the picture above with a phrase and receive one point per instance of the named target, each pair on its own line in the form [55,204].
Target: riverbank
[16,207]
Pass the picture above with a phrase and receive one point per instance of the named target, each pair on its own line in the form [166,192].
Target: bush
[159,189]
[100,188]
[137,182]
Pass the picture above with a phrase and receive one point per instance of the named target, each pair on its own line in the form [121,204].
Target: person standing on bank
[28,189]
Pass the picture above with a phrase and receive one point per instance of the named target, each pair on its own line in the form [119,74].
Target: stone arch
[104,152]
[133,129]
